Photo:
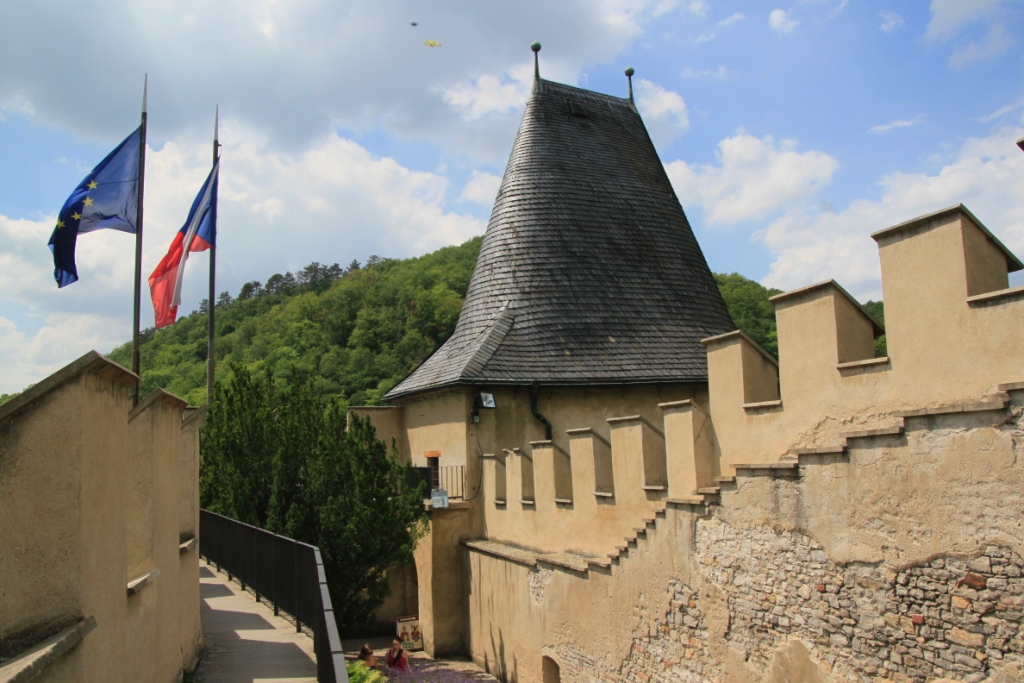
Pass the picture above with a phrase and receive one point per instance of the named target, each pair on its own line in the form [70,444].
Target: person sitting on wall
[367,657]
[397,661]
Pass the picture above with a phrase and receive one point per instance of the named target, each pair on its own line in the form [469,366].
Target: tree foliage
[280,460]
[750,308]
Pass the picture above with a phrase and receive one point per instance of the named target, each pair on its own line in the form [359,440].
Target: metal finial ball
[630,71]
[535,47]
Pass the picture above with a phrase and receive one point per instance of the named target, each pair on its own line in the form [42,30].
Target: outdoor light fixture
[482,400]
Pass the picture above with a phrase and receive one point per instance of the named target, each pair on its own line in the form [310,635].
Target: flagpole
[138,248]
[211,359]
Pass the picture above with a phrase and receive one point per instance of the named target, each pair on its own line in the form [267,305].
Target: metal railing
[288,574]
[453,480]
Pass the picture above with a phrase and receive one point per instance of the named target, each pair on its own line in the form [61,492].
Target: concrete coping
[1011,386]
[187,545]
[997,297]
[830,284]
[157,396]
[868,433]
[976,407]
[91,361]
[613,421]
[191,414]
[685,403]
[740,334]
[584,432]
[29,664]
[764,405]
[546,444]
[935,218]
[866,363]
[455,505]
[138,583]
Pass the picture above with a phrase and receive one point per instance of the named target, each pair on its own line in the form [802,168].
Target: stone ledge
[977,407]
[764,405]
[505,552]
[820,450]
[724,480]
[635,418]
[709,490]
[686,500]
[654,487]
[137,584]
[28,665]
[867,433]
[995,298]
[586,431]
[1011,386]
[187,545]
[452,505]
[604,494]
[766,466]
[857,364]
[563,501]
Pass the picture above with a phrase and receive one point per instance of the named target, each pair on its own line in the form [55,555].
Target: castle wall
[90,501]
[901,560]
[952,329]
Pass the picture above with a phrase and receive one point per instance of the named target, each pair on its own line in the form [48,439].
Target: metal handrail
[287,573]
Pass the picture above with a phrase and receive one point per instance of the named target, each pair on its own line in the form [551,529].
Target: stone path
[244,641]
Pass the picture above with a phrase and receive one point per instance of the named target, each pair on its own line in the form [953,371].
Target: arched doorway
[550,671]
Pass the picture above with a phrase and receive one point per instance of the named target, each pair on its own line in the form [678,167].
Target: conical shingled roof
[589,272]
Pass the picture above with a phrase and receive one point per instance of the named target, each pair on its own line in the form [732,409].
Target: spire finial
[629,75]
[536,60]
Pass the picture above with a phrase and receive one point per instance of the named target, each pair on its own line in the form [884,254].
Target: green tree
[750,308]
[276,458]
[876,309]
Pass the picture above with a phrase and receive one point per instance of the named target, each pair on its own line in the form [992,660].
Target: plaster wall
[582,435]
[66,490]
[943,348]
[901,561]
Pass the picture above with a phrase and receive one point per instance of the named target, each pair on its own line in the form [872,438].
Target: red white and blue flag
[198,234]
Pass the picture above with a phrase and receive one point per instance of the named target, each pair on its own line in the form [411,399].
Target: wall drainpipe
[534,392]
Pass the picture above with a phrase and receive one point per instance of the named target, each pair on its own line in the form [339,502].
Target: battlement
[953,331]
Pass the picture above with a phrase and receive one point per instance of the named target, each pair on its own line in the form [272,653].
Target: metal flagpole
[211,360]
[138,247]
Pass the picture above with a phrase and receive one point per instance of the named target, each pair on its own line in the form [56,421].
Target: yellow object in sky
[431,43]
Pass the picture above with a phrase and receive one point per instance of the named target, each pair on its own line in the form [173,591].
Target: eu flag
[107,198]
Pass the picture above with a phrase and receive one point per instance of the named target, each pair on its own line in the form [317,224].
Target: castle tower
[589,273]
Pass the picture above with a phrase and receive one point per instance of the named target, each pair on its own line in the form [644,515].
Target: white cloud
[721,73]
[482,189]
[277,212]
[490,93]
[698,7]
[295,70]
[811,245]
[996,41]
[754,178]
[732,19]
[664,111]
[891,21]
[781,22]
[949,15]
[704,38]
[894,125]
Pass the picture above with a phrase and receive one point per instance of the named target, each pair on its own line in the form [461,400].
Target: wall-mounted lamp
[482,400]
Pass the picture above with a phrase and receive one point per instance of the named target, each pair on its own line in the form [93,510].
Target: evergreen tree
[279,460]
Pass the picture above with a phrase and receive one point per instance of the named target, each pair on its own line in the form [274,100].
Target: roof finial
[629,75]
[536,60]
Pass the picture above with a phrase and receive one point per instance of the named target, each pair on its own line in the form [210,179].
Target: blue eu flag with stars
[107,198]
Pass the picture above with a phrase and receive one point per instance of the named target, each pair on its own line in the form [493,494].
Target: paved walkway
[245,642]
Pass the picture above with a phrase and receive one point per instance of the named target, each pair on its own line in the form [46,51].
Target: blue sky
[791,131]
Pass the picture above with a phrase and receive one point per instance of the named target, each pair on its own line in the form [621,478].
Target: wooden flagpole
[136,364]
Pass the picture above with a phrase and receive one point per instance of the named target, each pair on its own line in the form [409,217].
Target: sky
[790,131]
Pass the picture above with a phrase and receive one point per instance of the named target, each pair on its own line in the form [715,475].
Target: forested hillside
[355,332]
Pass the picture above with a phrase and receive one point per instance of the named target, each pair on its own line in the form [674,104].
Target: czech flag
[198,234]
